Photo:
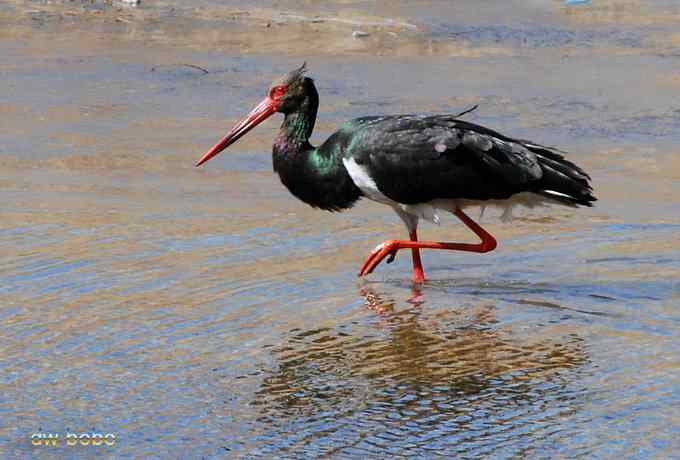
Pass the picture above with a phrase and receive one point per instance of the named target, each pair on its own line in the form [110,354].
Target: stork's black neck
[314,175]
[298,125]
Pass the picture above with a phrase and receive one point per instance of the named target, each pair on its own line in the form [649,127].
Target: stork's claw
[387,249]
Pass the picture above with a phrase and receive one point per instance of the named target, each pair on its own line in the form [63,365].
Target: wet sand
[205,313]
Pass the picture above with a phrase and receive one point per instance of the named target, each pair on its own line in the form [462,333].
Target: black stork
[418,165]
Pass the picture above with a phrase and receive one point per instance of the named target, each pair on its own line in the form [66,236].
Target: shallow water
[204,313]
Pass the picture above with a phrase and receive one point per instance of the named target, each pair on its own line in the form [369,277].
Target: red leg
[390,248]
[418,273]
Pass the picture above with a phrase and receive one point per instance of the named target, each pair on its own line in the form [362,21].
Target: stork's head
[285,95]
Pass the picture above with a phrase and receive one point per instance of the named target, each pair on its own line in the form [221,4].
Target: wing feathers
[415,159]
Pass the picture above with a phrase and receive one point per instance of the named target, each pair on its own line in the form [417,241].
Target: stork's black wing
[415,159]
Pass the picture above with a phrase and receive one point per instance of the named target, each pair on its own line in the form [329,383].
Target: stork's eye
[278,91]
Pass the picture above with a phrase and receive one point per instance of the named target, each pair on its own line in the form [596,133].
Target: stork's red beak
[260,113]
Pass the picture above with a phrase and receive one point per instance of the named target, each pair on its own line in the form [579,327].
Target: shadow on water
[419,379]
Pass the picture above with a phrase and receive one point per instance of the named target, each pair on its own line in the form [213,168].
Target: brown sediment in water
[146,297]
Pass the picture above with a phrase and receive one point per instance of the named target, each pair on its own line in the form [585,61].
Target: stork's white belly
[365,182]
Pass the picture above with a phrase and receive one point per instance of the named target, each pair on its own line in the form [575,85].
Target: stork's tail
[562,180]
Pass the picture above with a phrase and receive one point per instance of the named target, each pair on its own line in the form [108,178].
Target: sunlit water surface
[204,313]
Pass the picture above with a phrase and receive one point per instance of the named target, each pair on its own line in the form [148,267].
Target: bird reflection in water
[376,303]
[415,378]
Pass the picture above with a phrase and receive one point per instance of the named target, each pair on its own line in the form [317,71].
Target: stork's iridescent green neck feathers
[313,174]
[298,125]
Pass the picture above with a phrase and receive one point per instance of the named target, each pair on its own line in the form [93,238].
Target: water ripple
[414,383]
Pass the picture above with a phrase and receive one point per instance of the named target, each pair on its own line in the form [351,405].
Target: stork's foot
[387,249]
